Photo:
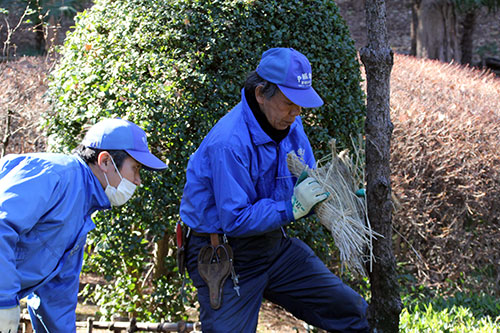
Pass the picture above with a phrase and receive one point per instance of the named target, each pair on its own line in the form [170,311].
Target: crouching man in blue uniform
[238,196]
[46,203]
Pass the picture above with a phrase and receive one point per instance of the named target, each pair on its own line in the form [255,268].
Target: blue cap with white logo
[119,134]
[291,72]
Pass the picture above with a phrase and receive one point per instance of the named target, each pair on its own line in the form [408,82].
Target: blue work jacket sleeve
[241,212]
[24,198]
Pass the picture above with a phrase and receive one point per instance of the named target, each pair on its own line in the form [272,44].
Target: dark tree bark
[414,27]
[436,30]
[469,21]
[377,57]
[40,40]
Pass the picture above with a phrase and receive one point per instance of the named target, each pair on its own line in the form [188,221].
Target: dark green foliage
[175,68]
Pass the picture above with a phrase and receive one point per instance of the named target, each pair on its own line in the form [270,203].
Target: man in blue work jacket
[46,203]
[238,196]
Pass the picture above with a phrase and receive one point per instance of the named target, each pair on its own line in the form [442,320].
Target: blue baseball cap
[291,72]
[119,134]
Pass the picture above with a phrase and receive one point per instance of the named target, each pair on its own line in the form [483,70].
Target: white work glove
[9,320]
[306,194]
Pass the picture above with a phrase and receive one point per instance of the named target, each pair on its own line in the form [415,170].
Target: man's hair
[90,155]
[254,80]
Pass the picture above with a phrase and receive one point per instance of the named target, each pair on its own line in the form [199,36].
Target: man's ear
[258,94]
[104,161]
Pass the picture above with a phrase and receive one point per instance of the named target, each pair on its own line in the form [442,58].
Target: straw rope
[344,214]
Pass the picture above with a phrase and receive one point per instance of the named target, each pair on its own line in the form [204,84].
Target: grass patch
[450,310]
[434,317]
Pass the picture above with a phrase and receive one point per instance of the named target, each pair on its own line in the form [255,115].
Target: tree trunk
[414,26]
[161,252]
[377,57]
[40,39]
[466,43]
[436,35]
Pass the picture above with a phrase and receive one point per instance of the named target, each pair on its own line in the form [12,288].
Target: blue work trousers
[285,271]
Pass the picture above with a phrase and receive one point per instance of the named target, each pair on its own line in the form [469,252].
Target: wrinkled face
[279,110]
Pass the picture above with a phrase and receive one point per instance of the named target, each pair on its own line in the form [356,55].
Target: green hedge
[175,68]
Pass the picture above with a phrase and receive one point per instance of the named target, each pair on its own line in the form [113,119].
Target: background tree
[9,31]
[435,30]
[443,29]
[385,304]
[43,17]
[468,9]
[175,68]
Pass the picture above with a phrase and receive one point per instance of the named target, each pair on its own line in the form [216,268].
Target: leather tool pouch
[214,265]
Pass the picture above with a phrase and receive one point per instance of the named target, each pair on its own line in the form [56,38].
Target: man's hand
[9,320]
[306,194]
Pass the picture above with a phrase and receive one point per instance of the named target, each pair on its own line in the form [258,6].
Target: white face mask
[121,194]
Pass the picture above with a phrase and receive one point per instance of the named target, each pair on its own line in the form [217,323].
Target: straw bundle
[344,214]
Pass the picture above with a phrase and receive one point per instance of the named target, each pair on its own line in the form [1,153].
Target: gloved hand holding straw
[307,193]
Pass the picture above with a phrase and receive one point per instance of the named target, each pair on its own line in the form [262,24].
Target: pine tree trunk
[377,57]
[436,35]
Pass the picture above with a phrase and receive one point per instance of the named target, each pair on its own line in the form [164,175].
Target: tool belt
[215,263]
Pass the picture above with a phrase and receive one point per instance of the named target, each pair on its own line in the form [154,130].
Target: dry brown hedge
[445,159]
[22,85]
[445,165]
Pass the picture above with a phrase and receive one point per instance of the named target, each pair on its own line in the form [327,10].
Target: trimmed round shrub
[175,68]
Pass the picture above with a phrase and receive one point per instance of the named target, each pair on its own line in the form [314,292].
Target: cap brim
[147,159]
[306,98]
